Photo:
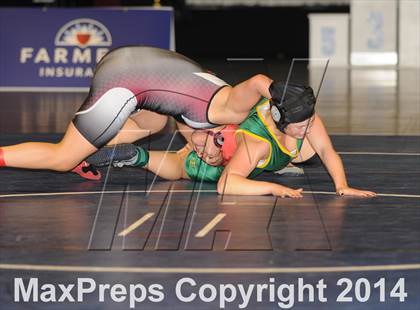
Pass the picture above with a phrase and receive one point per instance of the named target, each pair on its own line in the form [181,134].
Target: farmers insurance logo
[78,46]
[83,32]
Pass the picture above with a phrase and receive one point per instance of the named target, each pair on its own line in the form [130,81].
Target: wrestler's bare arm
[321,143]
[234,178]
[232,104]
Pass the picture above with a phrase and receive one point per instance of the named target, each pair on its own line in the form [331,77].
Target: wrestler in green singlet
[255,126]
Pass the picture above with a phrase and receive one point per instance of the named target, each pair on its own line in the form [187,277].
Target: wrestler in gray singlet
[139,77]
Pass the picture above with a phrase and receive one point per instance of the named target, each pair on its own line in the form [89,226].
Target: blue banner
[60,47]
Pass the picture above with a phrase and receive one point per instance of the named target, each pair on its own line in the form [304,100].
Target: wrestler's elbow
[221,184]
[260,84]
[227,183]
[260,80]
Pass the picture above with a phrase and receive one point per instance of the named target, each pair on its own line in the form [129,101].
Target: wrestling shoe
[113,155]
[119,156]
[291,171]
[87,171]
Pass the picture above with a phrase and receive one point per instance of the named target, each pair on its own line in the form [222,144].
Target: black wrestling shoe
[118,155]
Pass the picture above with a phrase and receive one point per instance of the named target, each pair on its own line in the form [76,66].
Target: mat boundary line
[176,191]
[207,270]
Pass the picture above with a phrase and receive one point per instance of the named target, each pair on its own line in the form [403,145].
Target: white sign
[374,32]
[329,39]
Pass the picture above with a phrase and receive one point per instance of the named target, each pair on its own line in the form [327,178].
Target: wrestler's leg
[168,165]
[96,123]
[139,126]
[185,131]
[62,156]
[104,112]
[120,150]
[149,120]
[231,105]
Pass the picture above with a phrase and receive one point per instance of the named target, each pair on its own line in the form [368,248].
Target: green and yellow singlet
[255,126]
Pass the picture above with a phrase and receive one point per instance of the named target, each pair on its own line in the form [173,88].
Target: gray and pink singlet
[138,77]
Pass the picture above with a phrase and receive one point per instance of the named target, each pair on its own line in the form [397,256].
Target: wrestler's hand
[283,191]
[348,191]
